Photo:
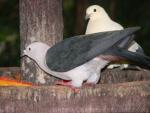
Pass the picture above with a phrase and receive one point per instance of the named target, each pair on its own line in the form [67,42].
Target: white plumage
[99,21]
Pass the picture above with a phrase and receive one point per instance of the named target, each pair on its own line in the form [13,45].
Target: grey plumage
[76,51]
[81,59]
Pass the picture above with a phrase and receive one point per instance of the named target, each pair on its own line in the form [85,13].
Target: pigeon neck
[42,64]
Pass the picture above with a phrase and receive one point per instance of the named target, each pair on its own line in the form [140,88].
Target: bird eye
[94,10]
[29,49]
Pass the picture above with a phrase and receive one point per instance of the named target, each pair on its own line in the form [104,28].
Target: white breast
[95,26]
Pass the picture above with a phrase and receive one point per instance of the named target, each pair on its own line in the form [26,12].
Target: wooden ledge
[107,76]
[103,98]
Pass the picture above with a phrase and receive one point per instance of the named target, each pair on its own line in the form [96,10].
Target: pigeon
[81,58]
[99,21]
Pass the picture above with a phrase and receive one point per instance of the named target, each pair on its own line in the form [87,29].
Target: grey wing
[76,51]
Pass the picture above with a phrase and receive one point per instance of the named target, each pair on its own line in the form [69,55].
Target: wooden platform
[110,96]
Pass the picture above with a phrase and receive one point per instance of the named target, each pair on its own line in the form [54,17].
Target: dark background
[126,12]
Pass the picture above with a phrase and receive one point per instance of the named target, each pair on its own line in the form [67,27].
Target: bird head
[35,50]
[94,12]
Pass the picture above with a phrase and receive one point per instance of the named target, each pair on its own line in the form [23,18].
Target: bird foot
[112,66]
[67,83]
[123,67]
[130,67]
[63,82]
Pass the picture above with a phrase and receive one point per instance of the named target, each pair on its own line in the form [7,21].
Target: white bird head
[36,50]
[96,12]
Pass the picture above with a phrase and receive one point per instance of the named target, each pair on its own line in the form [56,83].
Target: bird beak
[23,54]
[87,16]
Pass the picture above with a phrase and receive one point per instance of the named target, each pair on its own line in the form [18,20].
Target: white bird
[99,21]
[76,58]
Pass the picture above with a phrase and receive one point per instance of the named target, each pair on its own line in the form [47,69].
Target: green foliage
[9,33]
[68,9]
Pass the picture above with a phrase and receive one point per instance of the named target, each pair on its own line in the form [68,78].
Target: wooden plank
[104,98]
[107,76]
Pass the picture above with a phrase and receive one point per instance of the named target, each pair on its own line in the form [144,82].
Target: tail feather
[133,57]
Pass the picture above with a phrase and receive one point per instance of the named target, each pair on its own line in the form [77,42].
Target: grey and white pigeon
[81,58]
[99,21]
